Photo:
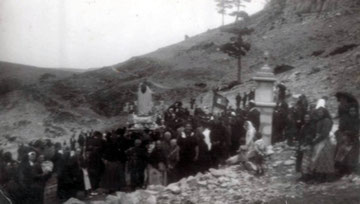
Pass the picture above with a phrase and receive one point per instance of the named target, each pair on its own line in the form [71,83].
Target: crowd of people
[125,159]
[181,145]
[308,127]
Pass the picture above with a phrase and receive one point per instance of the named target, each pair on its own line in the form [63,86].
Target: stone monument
[264,99]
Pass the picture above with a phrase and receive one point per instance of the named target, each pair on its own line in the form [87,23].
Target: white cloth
[206,133]
[321,103]
[87,183]
[250,134]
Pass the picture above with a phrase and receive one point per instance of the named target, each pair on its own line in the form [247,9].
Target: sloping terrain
[314,48]
[234,184]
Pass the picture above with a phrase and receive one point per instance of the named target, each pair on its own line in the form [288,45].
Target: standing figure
[252,94]
[245,98]
[305,148]
[323,155]
[192,103]
[138,158]
[157,166]
[238,100]
[172,160]
[281,91]
[347,156]
[189,150]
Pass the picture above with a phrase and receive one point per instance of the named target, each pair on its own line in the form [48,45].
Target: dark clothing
[252,95]
[204,160]
[218,143]
[238,101]
[96,168]
[113,152]
[282,92]
[72,143]
[306,135]
[245,98]
[324,159]
[157,156]
[187,154]
[237,134]
[33,182]
[113,177]
[347,153]
[290,130]
[70,180]
[81,140]
[279,122]
[138,158]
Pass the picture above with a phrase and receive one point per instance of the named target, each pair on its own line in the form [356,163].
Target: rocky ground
[233,184]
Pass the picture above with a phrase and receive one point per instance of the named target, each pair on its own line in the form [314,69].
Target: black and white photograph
[179,101]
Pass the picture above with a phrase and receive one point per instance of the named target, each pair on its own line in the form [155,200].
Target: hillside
[314,47]
[15,76]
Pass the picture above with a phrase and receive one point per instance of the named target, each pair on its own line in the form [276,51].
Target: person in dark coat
[290,128]
[189,150]
[237,133]
[81,141]
[157,165]
[32,179]
[72,143]
[204,160]
[279,121]
[70,180]
[172,160]
[9,178]
[304,151]
[323,155]
[218,143]
[282,91]
[347,156]
[95,166]
[238,100]
[244,100]
[138,159]
[113,178]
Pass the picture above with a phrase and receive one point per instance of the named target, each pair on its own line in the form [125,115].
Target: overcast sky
[96,33]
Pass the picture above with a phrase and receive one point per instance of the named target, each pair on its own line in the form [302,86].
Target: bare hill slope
[314,48]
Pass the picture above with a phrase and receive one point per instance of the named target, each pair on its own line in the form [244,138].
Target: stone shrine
[264,99]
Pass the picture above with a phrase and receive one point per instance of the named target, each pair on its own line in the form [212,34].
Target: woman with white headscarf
[250,134]
[323,153]
[252,153]
[249,139]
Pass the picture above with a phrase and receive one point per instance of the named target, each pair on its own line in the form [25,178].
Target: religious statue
[144,103]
